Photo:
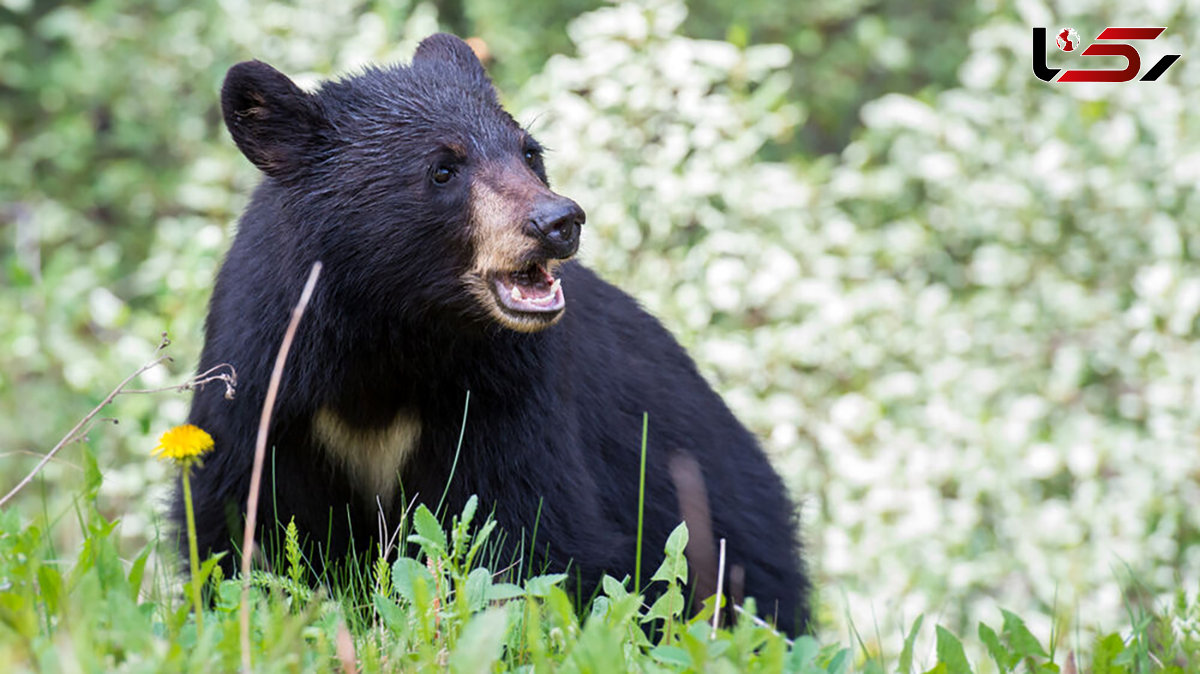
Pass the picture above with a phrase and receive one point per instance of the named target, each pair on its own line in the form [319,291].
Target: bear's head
[412,184]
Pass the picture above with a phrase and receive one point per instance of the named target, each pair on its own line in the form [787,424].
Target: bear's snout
[556,221]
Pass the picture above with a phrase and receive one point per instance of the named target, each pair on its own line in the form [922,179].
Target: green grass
[98,609]
[93,609]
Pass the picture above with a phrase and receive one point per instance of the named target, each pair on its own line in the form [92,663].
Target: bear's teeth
[516,293]
[555,286]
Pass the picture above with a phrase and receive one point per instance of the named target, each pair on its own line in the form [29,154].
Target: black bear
[446,271]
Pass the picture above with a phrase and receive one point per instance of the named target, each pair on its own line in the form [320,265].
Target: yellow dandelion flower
[183,443]
[186,444]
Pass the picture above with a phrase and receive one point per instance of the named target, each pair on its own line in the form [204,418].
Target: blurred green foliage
[846,53]
[958,304]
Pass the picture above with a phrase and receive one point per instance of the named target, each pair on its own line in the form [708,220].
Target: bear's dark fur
[428,205]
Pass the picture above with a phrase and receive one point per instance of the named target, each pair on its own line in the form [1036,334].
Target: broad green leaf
[600,606]
[672,570]
[468,512]
[481,642]
[804,653]
[666,607]
[51,584]
[839,662]
[705,612]
[429,532]
[672,655]
[539,586]
[950,652]
[622,611]
[560,608]
[19,615]
[405,573]
[701,631]
[1003,657]
[613,588]
[480,538]
[1020,639]
[1104,659]
[229,595]
[600,650]
[502,591]
[392,615]
[479,581]
[677,540]
[674,565]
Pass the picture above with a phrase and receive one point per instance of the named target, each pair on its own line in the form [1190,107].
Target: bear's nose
[556,222]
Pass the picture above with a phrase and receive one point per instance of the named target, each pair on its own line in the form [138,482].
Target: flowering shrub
[969,341]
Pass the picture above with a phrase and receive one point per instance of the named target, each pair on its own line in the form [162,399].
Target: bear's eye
[442,173]
[531,158]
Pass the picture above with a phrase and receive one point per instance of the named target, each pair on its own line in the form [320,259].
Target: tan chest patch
[372,457]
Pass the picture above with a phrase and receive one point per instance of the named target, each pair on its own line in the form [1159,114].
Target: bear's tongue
[532,289]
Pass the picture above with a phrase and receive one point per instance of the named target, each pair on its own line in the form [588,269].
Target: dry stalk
[260,451]
[719,606]
[80,430]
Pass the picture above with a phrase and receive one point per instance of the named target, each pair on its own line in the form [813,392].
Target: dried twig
[737,579]
[388,541]
[80,430]
[760,622]
[347,655]
[718,607]
[199,381]
[260,451]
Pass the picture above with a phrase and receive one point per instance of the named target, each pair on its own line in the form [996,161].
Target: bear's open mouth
[532,290]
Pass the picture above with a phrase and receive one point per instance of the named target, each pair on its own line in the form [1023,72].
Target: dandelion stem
[193,553]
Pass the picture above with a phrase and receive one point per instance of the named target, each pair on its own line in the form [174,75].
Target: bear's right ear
[444,48]
[278,126]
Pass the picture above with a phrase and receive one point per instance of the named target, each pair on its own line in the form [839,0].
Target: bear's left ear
[277,125]
[447,48]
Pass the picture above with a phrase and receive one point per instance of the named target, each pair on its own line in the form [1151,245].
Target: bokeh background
[958,305]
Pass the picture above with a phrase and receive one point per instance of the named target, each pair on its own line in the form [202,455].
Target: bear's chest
[371,457]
